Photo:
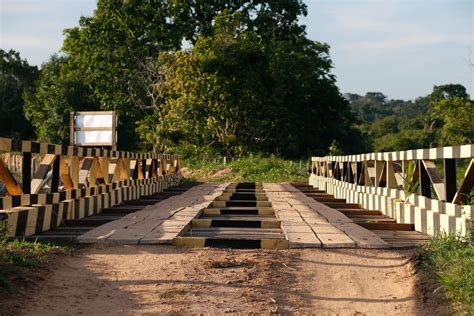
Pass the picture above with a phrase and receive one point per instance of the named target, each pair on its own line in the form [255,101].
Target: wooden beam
[65,177]
[26,173]
[10,183]
[435,179]
[104,167]
[125,172]
[84,171]
[99,176]
[74,171]
[358,172]
[450,178]
[382,178]
[40,177]
[141,169]
[379,170]
[425,185]
[391,179]
[466,185]
[134,169]
[55,175]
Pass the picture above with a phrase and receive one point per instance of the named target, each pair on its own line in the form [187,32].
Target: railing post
[26,173]
[358,172]
[350,174]
[425,184]
[55,176]
[450,178]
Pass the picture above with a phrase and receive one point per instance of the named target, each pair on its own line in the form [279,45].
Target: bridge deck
[223,215]
[386,228]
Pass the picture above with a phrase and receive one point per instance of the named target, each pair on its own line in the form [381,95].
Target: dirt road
[130,280]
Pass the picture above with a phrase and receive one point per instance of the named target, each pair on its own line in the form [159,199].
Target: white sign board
[93,129]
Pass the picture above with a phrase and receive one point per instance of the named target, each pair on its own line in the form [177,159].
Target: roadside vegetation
[254,168]
[451,260]
[17,258]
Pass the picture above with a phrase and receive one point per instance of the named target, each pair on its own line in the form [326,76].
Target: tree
[237,92]
[444,117]
[16,78]
[59,92]
[457,115]
[116,46]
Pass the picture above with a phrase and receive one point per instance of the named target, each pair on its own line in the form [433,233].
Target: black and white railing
[73,182]
[421,186]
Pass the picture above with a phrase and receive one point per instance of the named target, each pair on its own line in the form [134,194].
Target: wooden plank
[156,220]
[363,237]
[303,240]
[387,226]
[336,241]
[329,213]
[300,228]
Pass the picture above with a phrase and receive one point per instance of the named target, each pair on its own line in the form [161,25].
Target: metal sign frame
[74,129]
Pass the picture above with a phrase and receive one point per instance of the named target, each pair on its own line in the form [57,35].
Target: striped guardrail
[417,187]
[74,182]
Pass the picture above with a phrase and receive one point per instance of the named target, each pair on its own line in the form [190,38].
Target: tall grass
[247,169]
[451,259]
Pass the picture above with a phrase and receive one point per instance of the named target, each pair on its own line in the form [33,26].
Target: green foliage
[410,185]
[452,261]
[3,232]
[468,199]
[59,91]
[16,78]
[255,168]
[111,48]
[458,118]
[237,92]
[443,118]
[335,149]
[114,50]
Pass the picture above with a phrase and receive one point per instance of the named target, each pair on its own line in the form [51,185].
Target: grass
[451,260]
[17,257]
[248,169]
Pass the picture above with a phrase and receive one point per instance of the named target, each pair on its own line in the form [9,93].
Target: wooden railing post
[450,178]
[26,173]
[55,176]
[425,185]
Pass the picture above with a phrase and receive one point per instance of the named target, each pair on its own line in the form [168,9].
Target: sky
[401,48]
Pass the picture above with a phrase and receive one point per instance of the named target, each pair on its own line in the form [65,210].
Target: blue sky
[399,47]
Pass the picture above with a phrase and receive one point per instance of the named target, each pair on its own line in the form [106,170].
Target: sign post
[98,129]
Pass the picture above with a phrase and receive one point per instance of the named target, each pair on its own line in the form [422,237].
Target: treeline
[445,117]
[250,81]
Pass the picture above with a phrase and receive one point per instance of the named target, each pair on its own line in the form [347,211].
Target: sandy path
[130,280]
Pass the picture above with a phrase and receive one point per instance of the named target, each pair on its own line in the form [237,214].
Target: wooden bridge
[91,195]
